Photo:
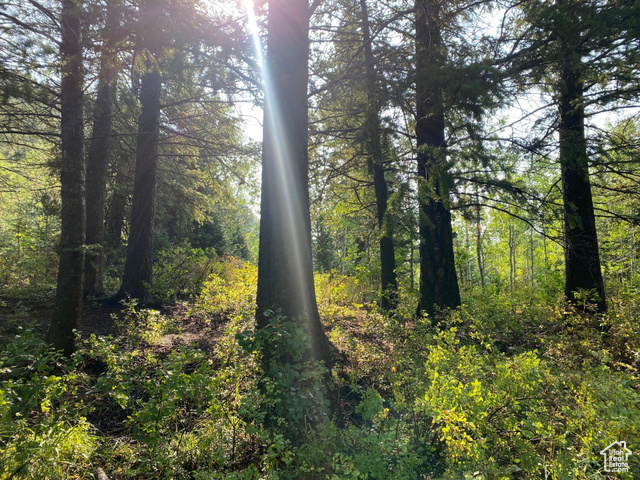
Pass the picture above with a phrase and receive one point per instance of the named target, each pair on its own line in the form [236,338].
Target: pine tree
[285,267]
[138,268]
[438,280]
[583,52]
[388,278]
[99,150]
[67,309]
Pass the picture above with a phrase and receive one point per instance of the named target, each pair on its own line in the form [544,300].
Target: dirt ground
[36,312]
[100,318]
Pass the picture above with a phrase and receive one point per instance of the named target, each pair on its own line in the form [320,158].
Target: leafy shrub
[144,325]
[498,415]
[341,295]
[292,387]
[43,430]
[179,272]
[507,388]
[229,289]
[179,409]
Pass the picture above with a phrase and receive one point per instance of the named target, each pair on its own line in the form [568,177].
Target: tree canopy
[447,190]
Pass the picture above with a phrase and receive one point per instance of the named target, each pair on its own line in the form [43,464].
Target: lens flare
[290,198]
[254,32]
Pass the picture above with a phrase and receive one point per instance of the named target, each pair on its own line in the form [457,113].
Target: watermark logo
[616,457]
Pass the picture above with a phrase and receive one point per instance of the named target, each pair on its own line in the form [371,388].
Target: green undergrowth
[506,387]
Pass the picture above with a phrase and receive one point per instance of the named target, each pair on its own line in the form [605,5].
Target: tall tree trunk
[632,266]
[411,261]
[582,259]
[117,210]
[512,256]
[532,252]
[467,245]
[67,309]
[479,247]
[138,267]
[285,267]
[544,246]
[388,278]
[438,280]
[98,158]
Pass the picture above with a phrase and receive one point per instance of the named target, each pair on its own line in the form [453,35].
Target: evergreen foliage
[443,214]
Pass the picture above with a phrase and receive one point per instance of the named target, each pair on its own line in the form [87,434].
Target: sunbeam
[254,32]
[290,201]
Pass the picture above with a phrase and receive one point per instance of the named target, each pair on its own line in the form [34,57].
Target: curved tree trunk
[98,158]
[285,267]
[438,280]
[138,267]
[582,259]
[68,304]
[388,278]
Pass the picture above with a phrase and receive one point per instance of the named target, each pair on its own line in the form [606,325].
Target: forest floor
[96,319]
[507,387]
[100,318]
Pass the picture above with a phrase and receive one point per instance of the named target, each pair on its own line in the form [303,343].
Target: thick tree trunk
[388,278]
[138,267]
[97,161]
[285,267]
[68,304]
[438,280]
[582,259]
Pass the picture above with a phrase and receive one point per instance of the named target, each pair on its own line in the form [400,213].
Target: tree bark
[117,210]
[285,267]
[438,280]
[138,267]
[582,258]
[512,256]
[388,278]
[479,247]
[532,252]
[67,309]
[98,158]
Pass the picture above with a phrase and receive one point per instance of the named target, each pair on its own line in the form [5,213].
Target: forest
[328,239]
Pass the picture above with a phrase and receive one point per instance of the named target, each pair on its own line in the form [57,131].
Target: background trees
[196,131]
[409,105]
[478,161]
[388,276]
